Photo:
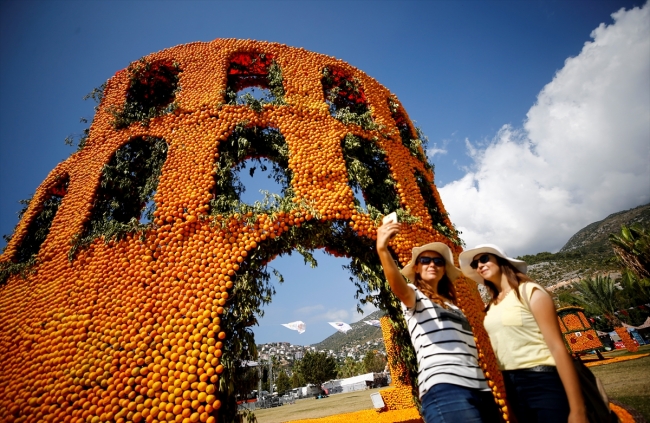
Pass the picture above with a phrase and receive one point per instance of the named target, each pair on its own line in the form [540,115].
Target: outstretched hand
[385,233]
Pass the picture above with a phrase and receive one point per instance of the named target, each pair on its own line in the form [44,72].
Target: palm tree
[349,368]
[600,294]
[632,247]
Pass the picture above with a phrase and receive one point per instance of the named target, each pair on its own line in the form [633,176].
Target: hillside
[587,252]
[594,237]
[360,333]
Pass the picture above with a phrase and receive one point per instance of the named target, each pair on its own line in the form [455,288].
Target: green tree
[374,362]
[317,367]
[296,379]
[282,382]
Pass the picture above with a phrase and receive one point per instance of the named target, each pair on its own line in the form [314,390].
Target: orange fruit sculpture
[579,335]
[130,284]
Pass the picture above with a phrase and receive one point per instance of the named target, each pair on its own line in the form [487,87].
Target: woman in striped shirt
[451,384]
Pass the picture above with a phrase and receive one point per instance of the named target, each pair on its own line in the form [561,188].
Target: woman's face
[430,273]
[488,267]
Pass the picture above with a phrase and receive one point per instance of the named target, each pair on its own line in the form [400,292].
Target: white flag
[375,323]
[340,326]
[298,325]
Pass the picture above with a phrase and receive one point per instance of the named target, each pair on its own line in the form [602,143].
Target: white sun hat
[467,256]
[451,271]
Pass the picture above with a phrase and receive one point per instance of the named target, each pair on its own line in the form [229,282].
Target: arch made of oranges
[148,320]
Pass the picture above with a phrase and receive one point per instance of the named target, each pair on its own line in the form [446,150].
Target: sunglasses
[483,259]
[436,260]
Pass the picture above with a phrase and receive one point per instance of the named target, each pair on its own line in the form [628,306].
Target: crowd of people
[541,382]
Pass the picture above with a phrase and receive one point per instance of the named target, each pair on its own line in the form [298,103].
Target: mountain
[588,252]
[594,237]
[360,334]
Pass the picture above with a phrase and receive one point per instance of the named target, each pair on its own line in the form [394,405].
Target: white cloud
[583,151]
[332,315]
[367,309]
[309,309]
[431,152]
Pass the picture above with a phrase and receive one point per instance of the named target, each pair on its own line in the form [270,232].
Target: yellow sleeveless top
[516,339]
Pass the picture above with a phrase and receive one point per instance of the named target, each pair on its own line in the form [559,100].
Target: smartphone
[389,218]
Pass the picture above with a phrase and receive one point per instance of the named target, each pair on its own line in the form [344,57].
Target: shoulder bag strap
[523,288]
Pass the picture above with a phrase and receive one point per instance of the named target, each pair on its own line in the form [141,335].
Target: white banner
[298,325]
[340,326]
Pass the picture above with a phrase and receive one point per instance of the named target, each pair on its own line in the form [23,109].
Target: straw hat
[467,256]
[451,271]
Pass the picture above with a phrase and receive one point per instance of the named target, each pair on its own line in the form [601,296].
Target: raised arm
[543,309]
[397,283]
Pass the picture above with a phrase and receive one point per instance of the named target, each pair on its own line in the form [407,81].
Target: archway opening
[254,79]
[411,136]
[253,287]
[250,149]
[39,226]
[346,97]
[152,90]
[124,198]
[369,175]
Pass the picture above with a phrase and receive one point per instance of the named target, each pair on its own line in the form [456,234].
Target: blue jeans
[447,403]
[536,397]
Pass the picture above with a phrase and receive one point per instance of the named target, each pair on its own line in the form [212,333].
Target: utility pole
[259,381]
[271,375]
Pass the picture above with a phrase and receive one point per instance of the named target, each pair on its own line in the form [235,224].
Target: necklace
[502,295]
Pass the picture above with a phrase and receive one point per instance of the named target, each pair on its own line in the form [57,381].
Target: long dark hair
[445,288]
[514,277]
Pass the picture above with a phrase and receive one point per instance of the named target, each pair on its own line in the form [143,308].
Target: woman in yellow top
[541,383]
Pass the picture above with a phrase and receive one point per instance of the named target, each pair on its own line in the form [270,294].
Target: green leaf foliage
[374,362]
[271,85]
[282,383]
[346,99]
[415,144]
[369,173]
[124,198]
[37,231]
[152,89]
[317,367]
[254,143]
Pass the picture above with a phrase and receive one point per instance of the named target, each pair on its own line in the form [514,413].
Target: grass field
[627,382]
[310,408]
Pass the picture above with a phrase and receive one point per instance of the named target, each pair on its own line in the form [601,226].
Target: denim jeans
[536,397]
[447,403]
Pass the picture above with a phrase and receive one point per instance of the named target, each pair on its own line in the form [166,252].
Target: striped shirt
[444,345]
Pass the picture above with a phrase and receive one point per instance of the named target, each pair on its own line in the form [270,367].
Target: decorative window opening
[258,173]
[415,142]
[369,173]
[124,200]
[39,227]
[346,99]
[37,231]
[437,217]
[249,147]
[254,79]
[152,90]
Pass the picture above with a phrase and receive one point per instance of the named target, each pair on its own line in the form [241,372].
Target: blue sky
[533,133]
